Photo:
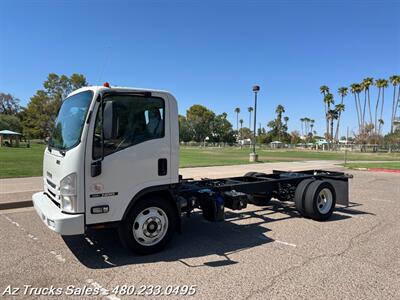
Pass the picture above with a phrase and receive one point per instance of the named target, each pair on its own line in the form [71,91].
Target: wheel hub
[324,201]
[150,226]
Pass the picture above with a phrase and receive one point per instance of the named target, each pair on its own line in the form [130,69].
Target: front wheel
[149,225]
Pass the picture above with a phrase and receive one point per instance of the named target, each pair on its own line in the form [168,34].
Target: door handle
[162,167]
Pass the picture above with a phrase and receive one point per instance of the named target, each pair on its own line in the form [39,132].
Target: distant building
[321,142]
[276,144]
[244,142]
[345,142]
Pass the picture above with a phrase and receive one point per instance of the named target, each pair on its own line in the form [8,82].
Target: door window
[128,120]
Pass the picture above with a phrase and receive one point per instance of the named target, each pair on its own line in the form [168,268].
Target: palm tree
[241,125]
[361,88]
[367,82]
[250,110]
[302,123]
[328,100]
[358,92]
[279,111]
[308,131]
[381,122]
[398,98]
[237,111]
[332,115]
[339,109]
[354,88]
[312,121]
[342,91]
[381,84]
[325,91]
[394,80]
[286,119]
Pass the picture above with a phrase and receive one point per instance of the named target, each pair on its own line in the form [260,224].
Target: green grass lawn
[383,165]
[21,162]
[196,157]
[24,162]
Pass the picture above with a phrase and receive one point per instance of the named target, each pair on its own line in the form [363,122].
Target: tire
[250,174]
[149,225]
[259,199]
[300,194]
[254,174]
[320,200]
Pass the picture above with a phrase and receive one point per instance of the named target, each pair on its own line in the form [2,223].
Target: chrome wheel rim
[324,201]
[150,226]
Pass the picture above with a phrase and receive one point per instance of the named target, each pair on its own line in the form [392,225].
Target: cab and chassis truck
[113,160]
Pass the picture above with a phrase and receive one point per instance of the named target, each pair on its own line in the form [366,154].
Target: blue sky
[206,52]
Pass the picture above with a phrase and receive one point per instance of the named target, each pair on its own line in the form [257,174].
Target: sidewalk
[17,192]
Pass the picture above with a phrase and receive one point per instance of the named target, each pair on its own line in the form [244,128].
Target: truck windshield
[69,123]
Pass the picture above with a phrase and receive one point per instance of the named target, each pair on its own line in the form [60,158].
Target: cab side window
[127,120]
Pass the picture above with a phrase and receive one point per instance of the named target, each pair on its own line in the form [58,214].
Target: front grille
[51,193]
[53,185]
[52,200]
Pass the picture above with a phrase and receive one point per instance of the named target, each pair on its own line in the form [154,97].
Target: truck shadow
[102,249]
[242,230]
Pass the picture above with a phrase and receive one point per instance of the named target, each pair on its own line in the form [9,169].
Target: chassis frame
[279,184]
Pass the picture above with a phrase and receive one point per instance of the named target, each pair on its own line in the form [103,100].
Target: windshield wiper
[50,148]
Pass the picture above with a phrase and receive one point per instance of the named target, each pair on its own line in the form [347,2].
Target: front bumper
[51,215]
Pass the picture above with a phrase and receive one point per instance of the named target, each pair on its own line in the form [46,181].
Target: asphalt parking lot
[259,253]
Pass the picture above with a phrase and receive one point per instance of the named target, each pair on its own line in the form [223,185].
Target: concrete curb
[384,170]
[21,199]
[377,170]
[16,204]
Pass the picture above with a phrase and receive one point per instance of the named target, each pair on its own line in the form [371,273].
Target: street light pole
[254,156]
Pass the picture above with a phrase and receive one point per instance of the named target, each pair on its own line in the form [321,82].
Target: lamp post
[254,156]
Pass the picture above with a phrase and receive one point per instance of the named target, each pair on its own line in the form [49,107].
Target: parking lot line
[285,243]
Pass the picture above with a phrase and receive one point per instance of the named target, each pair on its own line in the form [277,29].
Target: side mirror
[109,120]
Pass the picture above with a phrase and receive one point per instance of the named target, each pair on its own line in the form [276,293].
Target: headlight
[68,193]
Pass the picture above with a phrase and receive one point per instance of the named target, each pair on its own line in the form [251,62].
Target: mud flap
[342,190]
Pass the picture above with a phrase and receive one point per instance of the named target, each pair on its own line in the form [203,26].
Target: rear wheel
[255,174]
[320,200]
[250,174]
[300,195]
[149,225]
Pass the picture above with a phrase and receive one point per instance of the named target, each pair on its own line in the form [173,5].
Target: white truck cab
[108,147]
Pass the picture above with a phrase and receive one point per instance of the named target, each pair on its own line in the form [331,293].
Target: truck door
[130,138]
